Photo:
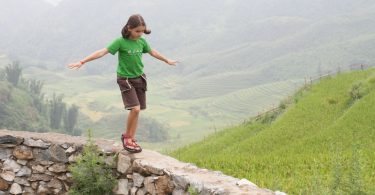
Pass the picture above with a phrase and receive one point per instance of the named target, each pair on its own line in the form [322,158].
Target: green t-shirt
[130,55]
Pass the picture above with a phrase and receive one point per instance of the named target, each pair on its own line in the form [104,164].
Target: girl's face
[136,32]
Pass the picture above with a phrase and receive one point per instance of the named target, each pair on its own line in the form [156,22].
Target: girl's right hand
[75,65]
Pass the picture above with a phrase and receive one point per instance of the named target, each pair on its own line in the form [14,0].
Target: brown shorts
[133,91]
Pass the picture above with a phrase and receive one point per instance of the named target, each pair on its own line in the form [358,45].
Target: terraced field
[322,143]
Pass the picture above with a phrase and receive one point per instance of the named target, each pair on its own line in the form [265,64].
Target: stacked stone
[136,178]
[32,166]
[29,165]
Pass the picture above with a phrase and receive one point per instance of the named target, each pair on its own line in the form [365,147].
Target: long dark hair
[133,22]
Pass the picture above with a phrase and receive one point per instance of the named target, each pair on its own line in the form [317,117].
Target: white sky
[53,2]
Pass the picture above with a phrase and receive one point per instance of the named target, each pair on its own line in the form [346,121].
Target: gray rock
[62,177]
[137,167]
[24,171]
[245,182]
[40,177]
[28,191]
[123,163]
[141,191]
[45,162]
[43,189]
[5,153]
[10,141]
[122,187]
[65,145]
[138,179]
[34,185]
[38,169]
[15,189]
[70,150]
[55,153]
[55,183]
[11,165]
[36,144]
[133,191]
[145,168]
[150,185]
[22,162]
[180,181]
[21,180]
[8,175]
[57,168]
[110,161]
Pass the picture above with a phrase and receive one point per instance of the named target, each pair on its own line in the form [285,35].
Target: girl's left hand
[171,62]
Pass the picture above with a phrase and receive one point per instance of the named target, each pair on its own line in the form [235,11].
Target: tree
[13,73]
[70,119]
[35,86]
[57,109]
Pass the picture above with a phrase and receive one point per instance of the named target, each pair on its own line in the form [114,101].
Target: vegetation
[13,73]
[321,144]
[90,174]
[23,106]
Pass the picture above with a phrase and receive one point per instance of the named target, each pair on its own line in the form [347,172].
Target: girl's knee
[136,109]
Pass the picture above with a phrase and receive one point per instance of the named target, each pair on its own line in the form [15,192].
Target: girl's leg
[132,122]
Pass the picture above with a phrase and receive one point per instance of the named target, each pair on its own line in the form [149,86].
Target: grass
[296,153]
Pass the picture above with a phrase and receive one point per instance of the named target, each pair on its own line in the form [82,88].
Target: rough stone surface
[21,180]
[147,172]
[138,179]
[38,169]
[15,189]
[10,141]
[122,187]
[55,183]
[8,175]
[150,185]
[23,152]
[24,171]
[36,143]
[3,184]
[5,153]
[245,182]
[164,185]
[57,168]
[11,165]
[123,162]
[40,177]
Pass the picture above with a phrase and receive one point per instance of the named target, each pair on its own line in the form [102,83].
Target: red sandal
[130,146]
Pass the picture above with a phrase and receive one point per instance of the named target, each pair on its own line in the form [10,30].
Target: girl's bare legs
[132,123]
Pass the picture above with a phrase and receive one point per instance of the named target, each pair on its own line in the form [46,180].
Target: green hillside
[322,144]
[18,110]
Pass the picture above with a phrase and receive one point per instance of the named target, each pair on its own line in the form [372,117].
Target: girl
[130,77]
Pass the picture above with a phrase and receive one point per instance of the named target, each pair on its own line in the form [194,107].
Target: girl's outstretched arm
[157,55]
[97,54]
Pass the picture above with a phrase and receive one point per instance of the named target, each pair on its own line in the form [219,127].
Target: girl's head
[135,27]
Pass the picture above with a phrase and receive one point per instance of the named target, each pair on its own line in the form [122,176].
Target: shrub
[91,175]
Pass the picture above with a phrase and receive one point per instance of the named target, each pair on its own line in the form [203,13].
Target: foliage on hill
[24,107]
[321,144]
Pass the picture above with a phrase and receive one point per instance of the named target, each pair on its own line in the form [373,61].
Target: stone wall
[36,163]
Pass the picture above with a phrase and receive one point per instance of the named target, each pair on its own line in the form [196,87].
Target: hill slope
[323,143]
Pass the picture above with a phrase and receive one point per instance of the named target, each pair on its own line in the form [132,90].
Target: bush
[91,175]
